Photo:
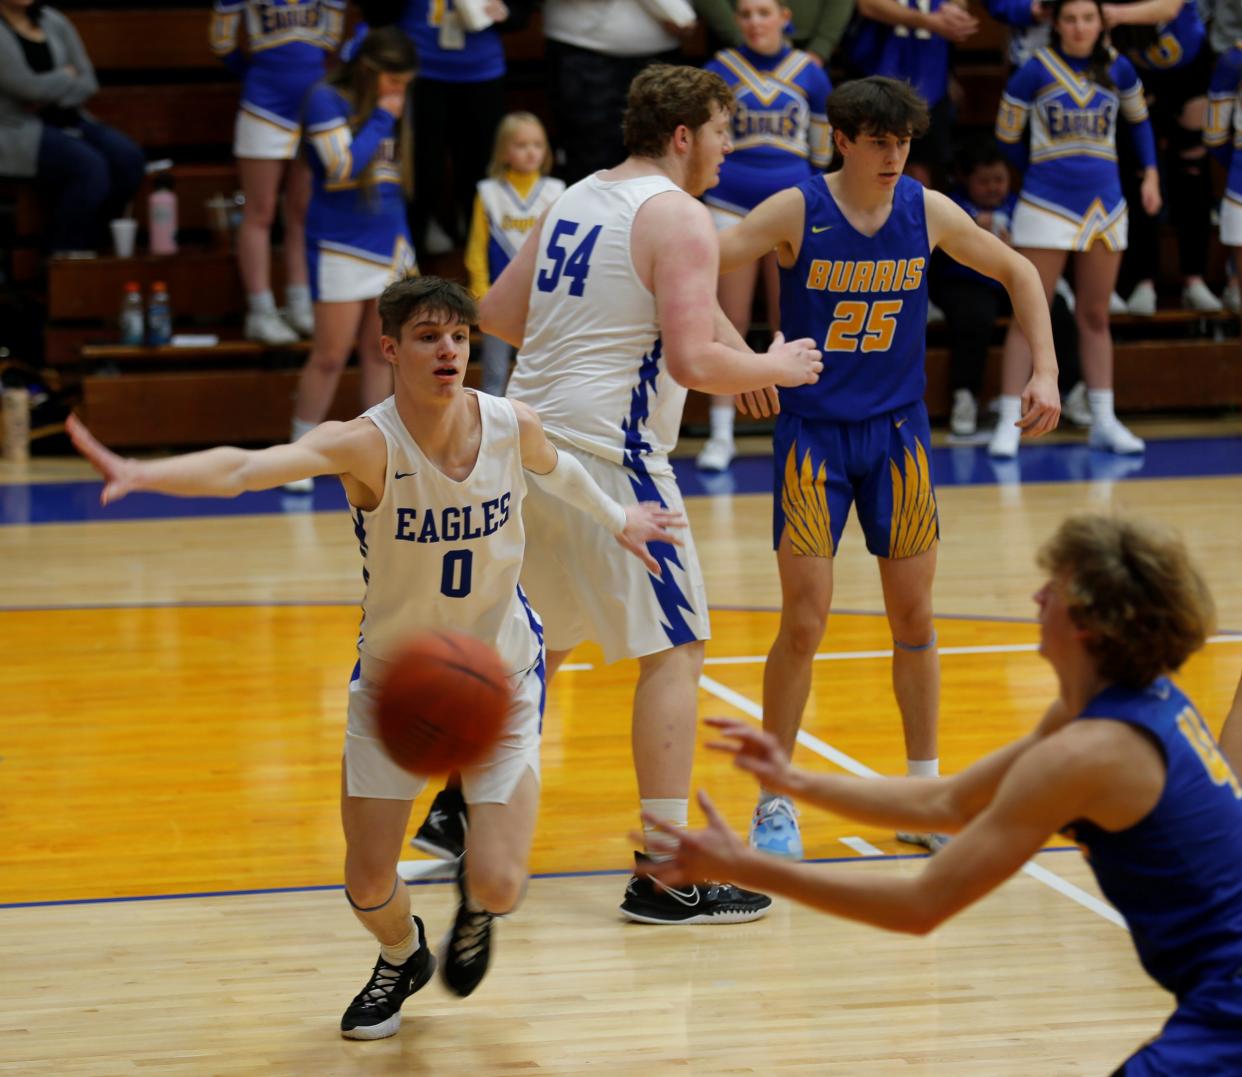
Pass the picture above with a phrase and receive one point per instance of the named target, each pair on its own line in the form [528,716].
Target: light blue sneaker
[774,829]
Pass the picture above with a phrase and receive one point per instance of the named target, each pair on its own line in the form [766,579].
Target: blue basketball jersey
[1178,41]
[452,57]
[288,44]
[780,126]
[864,300]
[341,209]
[1175,876]
[918,57]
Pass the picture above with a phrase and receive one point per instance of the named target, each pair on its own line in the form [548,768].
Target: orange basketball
[443,702]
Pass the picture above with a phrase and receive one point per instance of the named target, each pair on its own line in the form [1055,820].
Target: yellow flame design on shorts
[913,530]
[804,501]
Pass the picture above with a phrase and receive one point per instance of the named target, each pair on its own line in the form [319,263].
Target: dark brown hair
[431,299]
[1134,591]
[664,97]
[877,105]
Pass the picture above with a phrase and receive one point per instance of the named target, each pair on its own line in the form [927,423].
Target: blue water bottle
[159,316]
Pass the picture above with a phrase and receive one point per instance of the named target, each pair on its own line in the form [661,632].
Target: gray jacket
[22,91]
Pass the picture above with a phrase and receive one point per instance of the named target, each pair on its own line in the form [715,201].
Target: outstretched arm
[950,228]
[561,475]
[329,449]
[1231,733]
[775,224]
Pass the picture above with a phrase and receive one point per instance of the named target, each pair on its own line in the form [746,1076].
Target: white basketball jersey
[510,217]
[592,364]
[444,554]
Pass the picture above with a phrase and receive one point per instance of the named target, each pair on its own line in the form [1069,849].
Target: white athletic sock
[923,768]
[1010,410]
[261,303]
[722,422]
[300,429]
[404,950]
[1101,403]
[676,812]
[297,295]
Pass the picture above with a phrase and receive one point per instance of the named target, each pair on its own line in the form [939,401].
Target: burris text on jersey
[454,522]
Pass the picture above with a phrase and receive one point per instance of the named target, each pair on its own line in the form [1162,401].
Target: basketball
[443,702]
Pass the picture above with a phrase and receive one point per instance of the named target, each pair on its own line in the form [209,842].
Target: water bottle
[133,320]
[162,216]
[159,316]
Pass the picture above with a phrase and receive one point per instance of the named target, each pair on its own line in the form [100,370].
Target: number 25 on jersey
[559,261]
[871,324]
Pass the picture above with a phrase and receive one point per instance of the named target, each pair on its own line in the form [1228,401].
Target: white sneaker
[1075,407]
[716,455]
[437,240]
[299,486]
[1114,437]
[1004,441]
[1065,292]
[934,313]
[1198,296]
[1230,297]
[301,319]
[1117,305]
[268,327]
[964,418]
[1142,301]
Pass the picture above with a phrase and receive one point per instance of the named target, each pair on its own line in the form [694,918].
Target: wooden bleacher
[162,85]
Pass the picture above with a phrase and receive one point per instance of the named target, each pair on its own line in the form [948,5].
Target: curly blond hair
[1135,592]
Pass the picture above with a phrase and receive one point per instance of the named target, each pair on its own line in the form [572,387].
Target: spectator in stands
[594,49]
[358,241]
[780,137]
[509,205]
[1028,26]
[287,46]
[1072,93]
[459,98]
[912,43]
[1222,134]
[46,78]
[815,26]
[1167,43]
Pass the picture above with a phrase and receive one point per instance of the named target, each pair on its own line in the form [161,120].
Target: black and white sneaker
[649,902]
[467,948]
[375,1012]
[443,832]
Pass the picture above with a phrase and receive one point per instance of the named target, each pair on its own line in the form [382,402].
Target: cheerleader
[1222,133]
[508,205]
[287,43]
[1072,92]
[357,238]
[780,138]
[1167,43]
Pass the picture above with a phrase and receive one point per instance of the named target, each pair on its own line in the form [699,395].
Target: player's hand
[753,751]
[760,403]
[646,522]
[1041,406]
[393,104]
[714,852]
[797,361]
[120,475]
[1149,192]
[953,23]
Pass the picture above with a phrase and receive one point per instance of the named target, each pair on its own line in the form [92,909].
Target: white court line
[862,846]
[847,762]
[847,656]
[574,667]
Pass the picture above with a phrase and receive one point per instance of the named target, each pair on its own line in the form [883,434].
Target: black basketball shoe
[443,832]
[376,1010]
[467,948]
[650,902]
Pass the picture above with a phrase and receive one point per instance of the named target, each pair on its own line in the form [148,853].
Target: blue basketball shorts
[882,465]
[1203,1036]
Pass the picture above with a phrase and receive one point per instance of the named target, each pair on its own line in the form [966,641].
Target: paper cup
[124,232]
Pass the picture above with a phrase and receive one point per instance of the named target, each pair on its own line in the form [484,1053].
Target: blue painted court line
[429,882]
[953,465]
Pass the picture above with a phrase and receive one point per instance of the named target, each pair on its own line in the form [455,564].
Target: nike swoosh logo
[899,423]
[817,228]
[689,898]
[404,474]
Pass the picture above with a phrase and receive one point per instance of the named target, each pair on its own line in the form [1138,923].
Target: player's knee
[369,885]
[802,631]
[912,625]
[498,888]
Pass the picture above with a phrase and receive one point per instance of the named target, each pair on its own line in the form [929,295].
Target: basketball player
[1121,763]
[612,301]
[853,249]
[435,477]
